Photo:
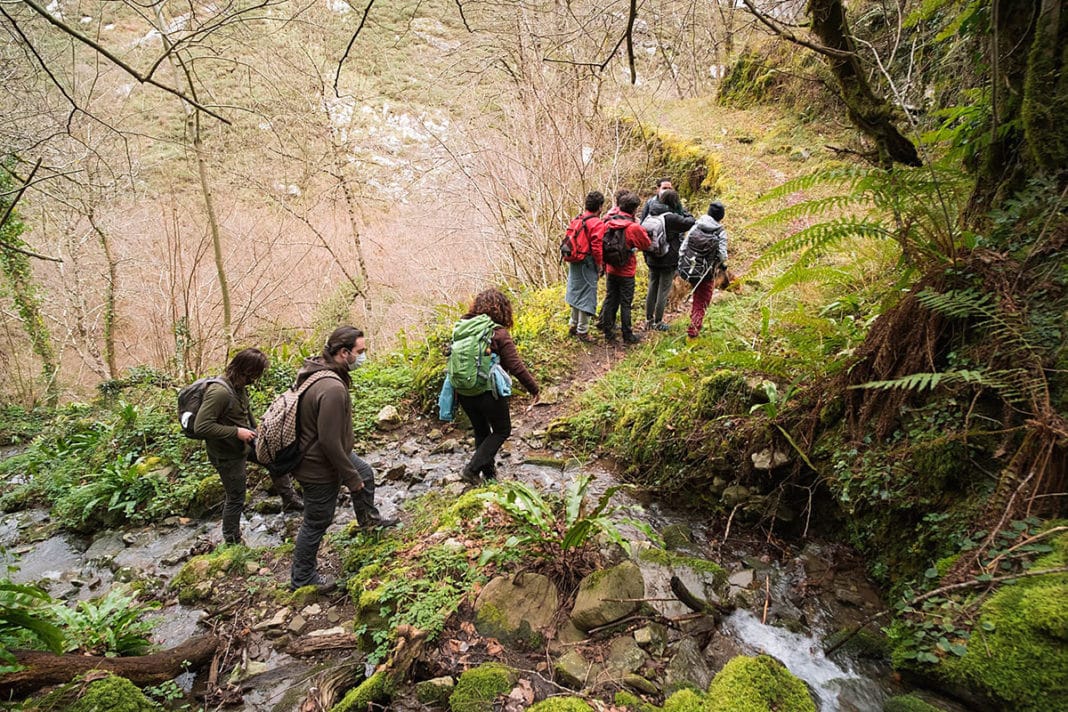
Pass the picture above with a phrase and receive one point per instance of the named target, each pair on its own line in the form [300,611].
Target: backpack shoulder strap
[315,378]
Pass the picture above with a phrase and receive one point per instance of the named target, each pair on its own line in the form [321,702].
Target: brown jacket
[326,436]
[219,417]
[502,345]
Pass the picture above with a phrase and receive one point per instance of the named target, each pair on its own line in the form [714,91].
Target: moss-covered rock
[759,684]
[908,703]
[377,688]
[562,704]
[113,694]
[608,595]
[1018,653]
[630,701]
[479,687]
[436,691]
[194,582]
[686,700]
[517,610]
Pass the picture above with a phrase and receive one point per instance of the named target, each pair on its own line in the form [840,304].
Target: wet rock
[276,621]
[389,418]
[652,638]
[297,624]
[735,495]
[849,595]
[574,671]
[104,548]
[126,574]
[559,430]
[445,446]
[702,578]
[769,459]
[516,611]
[740,580]
[396,473]
[409,448]
[687,668]
[624,656]
[640,684]
[676,536]
[435,692]
[566,635]
[603,596]
[721,650]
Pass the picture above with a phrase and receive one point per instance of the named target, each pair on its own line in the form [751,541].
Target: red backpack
[576,244]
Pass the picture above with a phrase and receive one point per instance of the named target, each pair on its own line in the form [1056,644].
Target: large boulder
[389,418]
[517,610]
[705,579]
[607,596]
[687,669]
[763,682]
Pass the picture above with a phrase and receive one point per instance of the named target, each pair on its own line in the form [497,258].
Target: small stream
[74,569]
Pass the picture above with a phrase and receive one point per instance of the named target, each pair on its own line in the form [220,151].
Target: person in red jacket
[619,286]
[581,294]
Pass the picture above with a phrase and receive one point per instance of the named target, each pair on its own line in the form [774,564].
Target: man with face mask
[326,441]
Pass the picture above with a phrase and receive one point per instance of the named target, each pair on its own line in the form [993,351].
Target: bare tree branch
[630,40]
[104,52]
[341,62]
[11,209]
[781,31]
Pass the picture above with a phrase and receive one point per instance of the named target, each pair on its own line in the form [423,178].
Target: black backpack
[614,249]
[189,400]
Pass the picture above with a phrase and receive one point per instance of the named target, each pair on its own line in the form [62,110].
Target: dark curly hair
[245,367]
[493,304]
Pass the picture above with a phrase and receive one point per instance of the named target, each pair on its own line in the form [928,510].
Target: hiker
[614,210]
[619,286]
[662,268]
[488,413]
[326,443]
[225,421]
[662,184]
[705,246]
[582,276]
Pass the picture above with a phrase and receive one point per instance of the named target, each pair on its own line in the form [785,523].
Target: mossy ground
[479,687]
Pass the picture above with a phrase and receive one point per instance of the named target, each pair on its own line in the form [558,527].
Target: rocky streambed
[784,602]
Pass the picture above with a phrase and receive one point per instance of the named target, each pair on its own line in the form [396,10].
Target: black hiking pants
[492,423]
[320,501]
[619,295]
[232,474]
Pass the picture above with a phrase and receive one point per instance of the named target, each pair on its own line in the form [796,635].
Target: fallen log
[45,669]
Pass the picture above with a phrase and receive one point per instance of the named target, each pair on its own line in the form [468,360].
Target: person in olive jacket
[225,422]
[326,442]
[489,415]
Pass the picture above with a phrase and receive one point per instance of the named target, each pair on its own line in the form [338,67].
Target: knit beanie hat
[715,210]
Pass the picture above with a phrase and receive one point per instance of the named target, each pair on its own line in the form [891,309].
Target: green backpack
[469,361]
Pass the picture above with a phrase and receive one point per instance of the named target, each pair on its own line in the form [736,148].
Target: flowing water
[74,569]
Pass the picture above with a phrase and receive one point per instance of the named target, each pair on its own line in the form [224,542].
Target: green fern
[914,207]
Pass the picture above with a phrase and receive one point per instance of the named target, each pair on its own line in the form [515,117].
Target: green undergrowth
[1010,647]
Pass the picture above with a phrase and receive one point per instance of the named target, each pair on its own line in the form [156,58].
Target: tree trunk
[870,113]
[192,115]
[109,297]
[46,669]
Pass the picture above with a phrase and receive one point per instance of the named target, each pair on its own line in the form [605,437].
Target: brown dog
[681,289]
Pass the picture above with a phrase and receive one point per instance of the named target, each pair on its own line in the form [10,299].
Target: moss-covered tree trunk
[870,113]
[16,268]
[1027,46]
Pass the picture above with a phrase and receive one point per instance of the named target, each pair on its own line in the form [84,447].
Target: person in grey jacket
[225,422]
[707,238]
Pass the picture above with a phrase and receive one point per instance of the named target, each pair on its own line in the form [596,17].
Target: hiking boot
[631,339]
[584,338]
[609,337]
[323,584]
[375,523]
[572,330]
[292,504]
[661,326]
[471,478]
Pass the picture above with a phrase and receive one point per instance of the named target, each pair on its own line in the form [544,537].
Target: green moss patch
[562,704]
[477,688]
[113,694]
[759,684]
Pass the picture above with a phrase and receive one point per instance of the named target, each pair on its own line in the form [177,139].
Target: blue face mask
[360,360]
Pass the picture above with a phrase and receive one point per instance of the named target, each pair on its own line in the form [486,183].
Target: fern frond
[818,239]
[808,209]
[799,273]
[833,176]
[958,303]
[928,381]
